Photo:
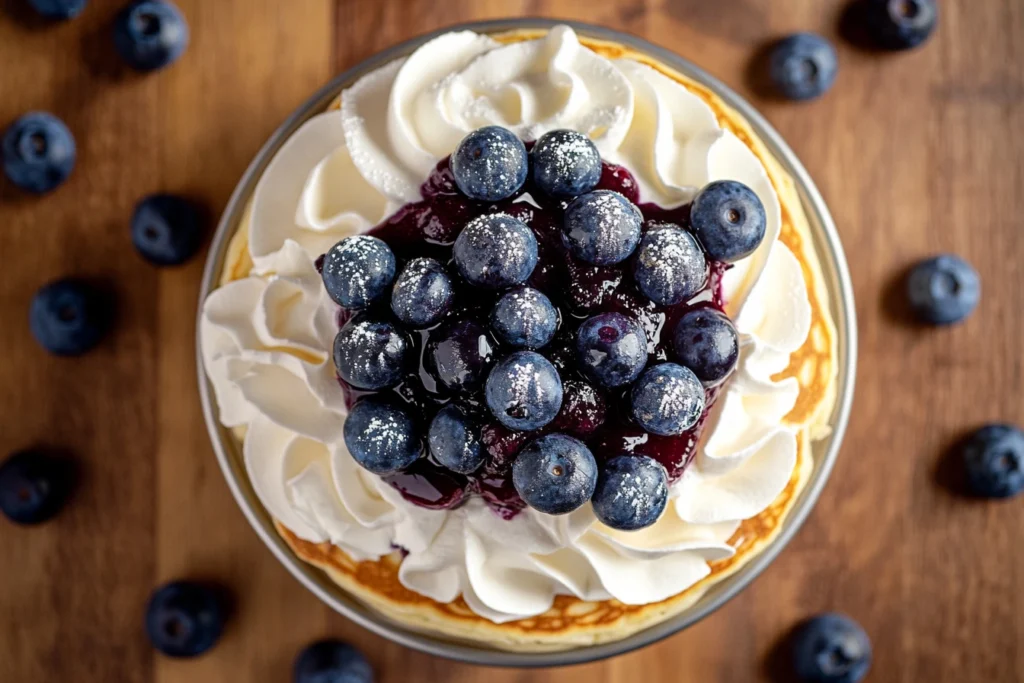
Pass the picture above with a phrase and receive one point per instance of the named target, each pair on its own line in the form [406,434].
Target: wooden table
[915,153]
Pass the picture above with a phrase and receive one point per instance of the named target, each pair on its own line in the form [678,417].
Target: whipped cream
[266,339]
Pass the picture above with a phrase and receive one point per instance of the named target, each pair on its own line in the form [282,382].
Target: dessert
[465,475]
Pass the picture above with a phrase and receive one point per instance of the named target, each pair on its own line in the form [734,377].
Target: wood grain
[915,153]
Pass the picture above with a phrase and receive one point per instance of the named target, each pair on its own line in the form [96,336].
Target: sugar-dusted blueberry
[670,267]
[943,290]
[555,474]
[611,348]
[454,440]
[331,661]
[899,24]
[458,356]
[601,227]
[381,435]
[728,219]
[490,164]
[38,152]
[34,486]
[185,619]
[496,251]
[565,163]
[803,66]
[524,391]
[667,399]
[358,270]
[994,460]
[370,353]
[830,648]
[166,229]
[150,34]
[524,317]
[706,341]
[58,9]
[422,293]
[631,492]
[69,317]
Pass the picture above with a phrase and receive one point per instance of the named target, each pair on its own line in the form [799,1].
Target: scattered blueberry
[994,458]
[34,486]
[524,391]
[422,293]
[943,290]
[167,230]
[706,341]
[667,399]
[728,219]
[150,34]
[496,250]
[38,152]
[358,270]
[332,661]
[371,353]
[454,440]
[831,648]
[459,355]
[803,66]
[631,492]
[524,317]
[611,348]
[900,24]
[381,436]
[555,474]
[565,164]
[184,619]
[601,227]
[68,317]
[670,267]
[490,164]
[58,9]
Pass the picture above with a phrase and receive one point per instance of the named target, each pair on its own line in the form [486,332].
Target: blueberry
[422,293]
[631,492]
[706,341]
[496,251]
[803,66]
[565,164]
[371,354]
[458,355]
[555,474]
[58,9]
[357,271]
[670,267]
[611,348]
[184,619]
[900,24]
[68,317]
[150,34]
[167,230]
[454,440]
[524,391]
[601,227]
[525,318]
[34,486]
[38,152]
[332,661]
[831,648]
[728,219]
[667,399]
[994,458]
[381,436]
[943,290]
[490,164]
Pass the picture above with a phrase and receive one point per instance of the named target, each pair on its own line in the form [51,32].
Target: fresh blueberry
[667,399]
[459,355]
[184,619]
[58,9]
[454,440]
[150,34]
[525,318]
[38,152]
[631,492]
[900,24]
[34,486]
[358,270]
[994,458]
[381,436]
[706,341]
[371,354]
[166,230]
[831,648]
[524,391]
[422,293]
[611,348]
[728,219]
[332,661]
[565,164]
[496,251]
[670,267]
[803,66]
[490,164]
[69,317]
[943,290]
[601,227]
[555,474]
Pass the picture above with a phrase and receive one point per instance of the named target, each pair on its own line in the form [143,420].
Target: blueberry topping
[667,399]
[496,251]
[58,9]
[670,267]
[38,152]
[332,661]
[943,290]
[831,648]
[706,341]
[458,356]
[803,66]
[454,440]
[167,230]
[728,219]
[150,34]
[358,270]
[34,486]
[184,619]
[583,410]
[631,492]
[422,293]
[69,317]
[490,164]
[994,458]
[525,318]
[381,436]
[565,164]
[524,391]
[900,24]
[601,227]
[555,474]
[371,354]
[611,348]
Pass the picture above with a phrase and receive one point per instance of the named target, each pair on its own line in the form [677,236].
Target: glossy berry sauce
[579,290]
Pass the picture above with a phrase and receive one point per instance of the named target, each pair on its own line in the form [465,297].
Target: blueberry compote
[598,416]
